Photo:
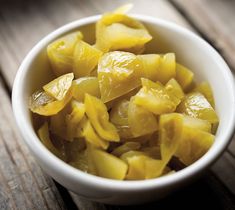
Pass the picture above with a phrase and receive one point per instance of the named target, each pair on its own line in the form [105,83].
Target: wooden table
[23,185]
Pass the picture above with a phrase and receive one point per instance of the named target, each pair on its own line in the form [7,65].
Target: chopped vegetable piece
[60,53]
[194,144]
[85,59]
[205,89]
[173,87]
[166,70]
[118,73]
[115,31]
[171,128]
[119,113]
[107,165]
[85,85]
[126,96]
[196,105]
[184,76]
[155,98]
[73,118]
[151,63]
[99,118]
[43,134]
[140,120]
[196,123]
[43,104]
[58,87]
[140,165]
[119,117]
[92,137]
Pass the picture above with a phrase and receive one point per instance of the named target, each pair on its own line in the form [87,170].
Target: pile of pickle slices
[117,113]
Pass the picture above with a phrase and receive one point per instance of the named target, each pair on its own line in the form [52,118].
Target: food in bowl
[115,112]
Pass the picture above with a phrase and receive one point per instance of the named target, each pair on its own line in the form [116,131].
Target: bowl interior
[198,57]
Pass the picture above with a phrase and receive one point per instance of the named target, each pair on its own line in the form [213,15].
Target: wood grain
[224,169]
[23,23]
[215,21]
[20,186]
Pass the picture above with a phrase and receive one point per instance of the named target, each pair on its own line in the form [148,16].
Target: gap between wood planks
[55,21]
[4,83]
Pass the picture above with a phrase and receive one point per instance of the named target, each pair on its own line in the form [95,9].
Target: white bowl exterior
[200,57]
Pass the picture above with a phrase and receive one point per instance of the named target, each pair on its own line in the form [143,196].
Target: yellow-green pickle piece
[118,73]
[196,123]
[196,105]
[166,69]
[119,113]
[140,120]
[155,98]
[43,133]
[117,31]
[85,85]
[72,119]
[184,76]
[99,118]
[107,165]
[205,89]
[171,128]
[193,145]
[173,87]
[119,117]
[140,165]
[150,65]
[42,103]
[58,87]
[60,53]
[92,137]
[86,58]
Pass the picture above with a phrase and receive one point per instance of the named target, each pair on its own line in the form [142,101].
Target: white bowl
[190,50]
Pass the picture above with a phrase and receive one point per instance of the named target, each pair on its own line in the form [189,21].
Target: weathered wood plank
[16,171]
[215,20]
[22,25]
[224,169]
[16,24]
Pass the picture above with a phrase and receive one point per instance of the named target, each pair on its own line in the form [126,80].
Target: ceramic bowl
[190,50]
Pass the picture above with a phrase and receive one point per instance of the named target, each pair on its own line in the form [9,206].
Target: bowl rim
[64,169]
